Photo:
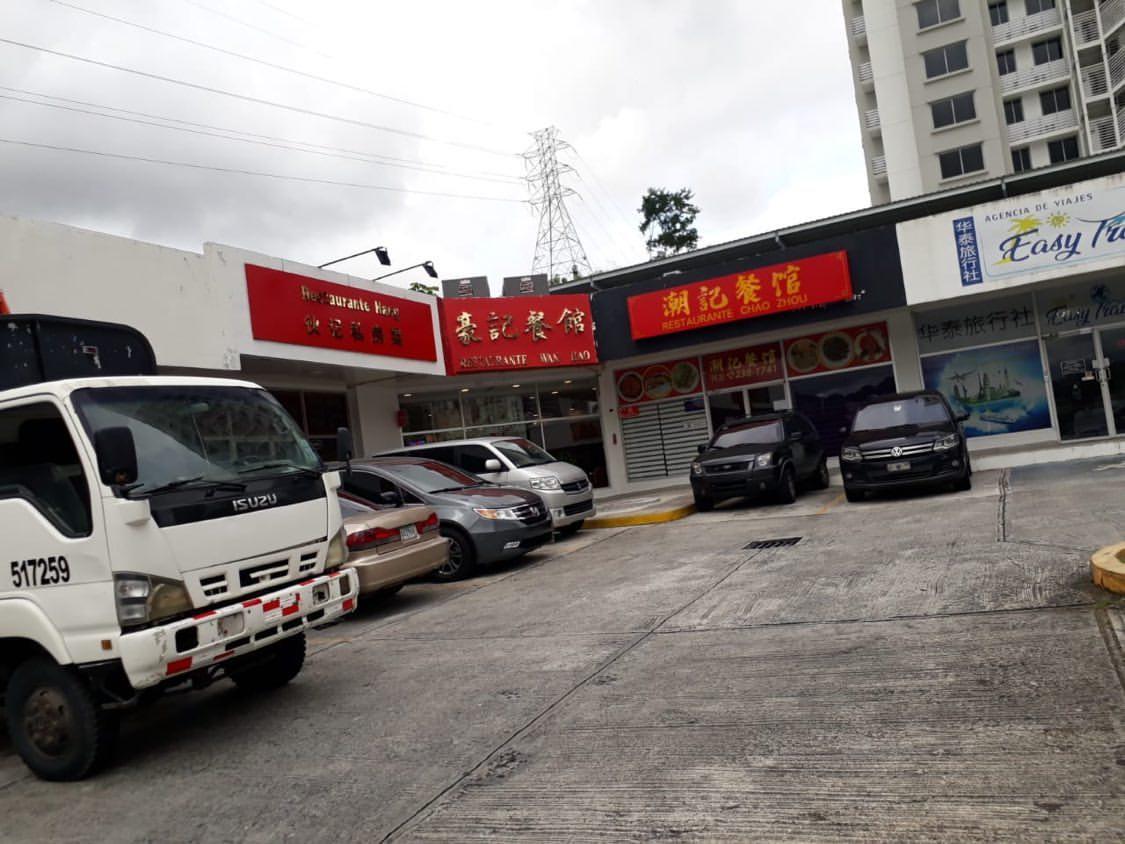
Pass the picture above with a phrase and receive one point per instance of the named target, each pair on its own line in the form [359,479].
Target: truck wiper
[280,464]
[195,479]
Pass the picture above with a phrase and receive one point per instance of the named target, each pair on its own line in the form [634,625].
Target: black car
[764,455]
[906,439]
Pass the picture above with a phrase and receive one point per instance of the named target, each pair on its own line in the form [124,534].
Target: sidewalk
[643,508]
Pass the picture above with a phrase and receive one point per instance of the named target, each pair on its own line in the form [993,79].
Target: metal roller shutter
[663,439]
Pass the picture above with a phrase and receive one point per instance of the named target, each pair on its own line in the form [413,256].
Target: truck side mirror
[345,445]
[702,447]
[117,455]
[493,465]
[962,417]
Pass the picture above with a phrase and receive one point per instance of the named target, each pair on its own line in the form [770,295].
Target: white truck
[156,533]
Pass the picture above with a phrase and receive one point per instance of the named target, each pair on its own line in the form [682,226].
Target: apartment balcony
[1095,83]
[879,166]
[1027,26]
[866,74]
[1116,68]
[859,28]
[1085,25]
[1120,117]
[871,120]
[1103,133]
[1048,124]
[1031,77]
[1112,13]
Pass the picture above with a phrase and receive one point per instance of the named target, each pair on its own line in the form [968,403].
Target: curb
[1107,567]
[640,518]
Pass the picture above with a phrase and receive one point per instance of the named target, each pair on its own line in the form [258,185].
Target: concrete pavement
[921,667]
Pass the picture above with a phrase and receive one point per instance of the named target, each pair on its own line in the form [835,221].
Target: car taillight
[430,524]
[361,540]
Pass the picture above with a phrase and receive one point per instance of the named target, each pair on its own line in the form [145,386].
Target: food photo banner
[519,332]
[831,351]
[672,379]
[760,292]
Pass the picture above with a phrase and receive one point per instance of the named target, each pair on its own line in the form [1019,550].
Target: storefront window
[830,401]
[497,405]
[578,441]
[725,407]
[431,412]
[765,399]
[319,415]
[568,399]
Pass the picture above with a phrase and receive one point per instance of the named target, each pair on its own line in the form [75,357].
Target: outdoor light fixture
[428,266]
[380,252]
[464,389]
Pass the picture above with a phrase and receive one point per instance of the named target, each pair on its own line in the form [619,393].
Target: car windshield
[431,476]
[523,453]
[201,433]
[762,433]
[919,410]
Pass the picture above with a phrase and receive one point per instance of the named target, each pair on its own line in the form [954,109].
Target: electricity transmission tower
[558,251]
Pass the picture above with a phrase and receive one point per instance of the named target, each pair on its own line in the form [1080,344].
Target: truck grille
[904,451]
[723,468]
[242,577]
[576,486]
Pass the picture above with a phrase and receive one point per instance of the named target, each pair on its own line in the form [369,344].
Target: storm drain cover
[772,543]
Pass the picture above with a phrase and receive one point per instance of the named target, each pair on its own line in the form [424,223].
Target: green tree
[668,221]
[428,289]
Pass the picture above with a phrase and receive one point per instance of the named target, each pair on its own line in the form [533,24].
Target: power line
[260,173]
[360,157]
[609,195]
[274,66]
[256,28]
[282,11]
[256,100]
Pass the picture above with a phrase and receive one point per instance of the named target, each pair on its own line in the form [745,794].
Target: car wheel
[822,480]
[787,488]
[55,723]
[854,495]
[462,557]
[963,483]
[704,504]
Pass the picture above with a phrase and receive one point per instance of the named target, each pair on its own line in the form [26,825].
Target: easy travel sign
[1053,234]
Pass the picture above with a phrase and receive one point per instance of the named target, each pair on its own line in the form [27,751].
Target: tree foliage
[419,287]
[668,221]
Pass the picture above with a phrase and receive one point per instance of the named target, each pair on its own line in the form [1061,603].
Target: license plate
[408,533]
[898,467]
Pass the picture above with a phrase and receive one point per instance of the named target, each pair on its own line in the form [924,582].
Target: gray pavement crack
[1113,643]
[1005,486]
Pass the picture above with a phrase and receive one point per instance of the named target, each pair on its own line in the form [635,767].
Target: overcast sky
[749,104]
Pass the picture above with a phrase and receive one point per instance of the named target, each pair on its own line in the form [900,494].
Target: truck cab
[157,532]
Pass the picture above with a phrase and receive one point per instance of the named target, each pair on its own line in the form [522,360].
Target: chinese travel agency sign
[520,332]
[754,293]
[289,308]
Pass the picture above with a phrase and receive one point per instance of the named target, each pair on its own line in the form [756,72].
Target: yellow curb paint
[1107,567]
[640,518]
[830,504]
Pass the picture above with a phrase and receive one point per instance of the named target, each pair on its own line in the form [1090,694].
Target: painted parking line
[830,504]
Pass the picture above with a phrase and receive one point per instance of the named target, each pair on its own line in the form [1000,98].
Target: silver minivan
[515,461]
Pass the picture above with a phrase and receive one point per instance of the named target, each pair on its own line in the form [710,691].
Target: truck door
[52,547]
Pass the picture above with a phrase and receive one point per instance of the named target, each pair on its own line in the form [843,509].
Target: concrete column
[375,408]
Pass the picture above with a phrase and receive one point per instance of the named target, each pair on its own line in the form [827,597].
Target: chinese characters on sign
[290,308]
[738,367]
[968,251]
[975,324]
[766,290]
[524,332]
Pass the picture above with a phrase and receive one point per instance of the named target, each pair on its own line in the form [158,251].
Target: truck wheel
[787,486]
[854,495]
[55,722]
[281,663]
[822,479]
[704,504]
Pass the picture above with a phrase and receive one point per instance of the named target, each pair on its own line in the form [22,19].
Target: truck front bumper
[153,655]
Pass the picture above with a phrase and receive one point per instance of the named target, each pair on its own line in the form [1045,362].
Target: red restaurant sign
[290,308]
[518,332]
[753,293]
[738,367]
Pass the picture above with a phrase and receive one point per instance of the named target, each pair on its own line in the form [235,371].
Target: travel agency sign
[1040,236]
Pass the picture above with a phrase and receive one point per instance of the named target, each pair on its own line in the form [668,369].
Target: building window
[998,12]
[1055,100]
[960,161]
[934,12]
[319,415]
[944,60]
[952,110]
[1013,111]
[1006,62]
[1064,149]
[1034,7]
[1021,159]
[1047,51]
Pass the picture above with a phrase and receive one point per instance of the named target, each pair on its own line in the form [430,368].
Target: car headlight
[337,550]
[697,468]
[851,454]
[764,460]
[947,442]
[502,513]
[546,482]
[143,598]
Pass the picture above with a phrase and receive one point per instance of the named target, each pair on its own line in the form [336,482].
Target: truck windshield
[919,410]
[201,433]
[763,433]
[523,453]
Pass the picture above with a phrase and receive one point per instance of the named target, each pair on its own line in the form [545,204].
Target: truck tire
[282,662]
[787,486]
[55,722]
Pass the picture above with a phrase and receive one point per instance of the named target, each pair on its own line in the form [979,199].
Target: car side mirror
[702,447]
[962,417]
[345,447]
[391,498]
[493,465]
[117,455]
[797,436]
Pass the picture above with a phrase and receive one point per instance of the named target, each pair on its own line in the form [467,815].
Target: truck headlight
[948,442]
[337,550]
[697,468]
[143,598]
[547,482]
[764,460]
[502,513]
[851,454]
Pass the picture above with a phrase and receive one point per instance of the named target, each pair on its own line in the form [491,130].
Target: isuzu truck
[156,533]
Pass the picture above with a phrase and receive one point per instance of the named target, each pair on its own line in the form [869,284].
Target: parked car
[515,461]
[483,522]
[389,546]
[907,439]
[773,454]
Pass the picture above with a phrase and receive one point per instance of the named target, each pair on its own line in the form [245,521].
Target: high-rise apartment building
[953,91]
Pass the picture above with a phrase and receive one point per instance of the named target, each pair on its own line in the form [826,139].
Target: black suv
[768,454]
[902,440]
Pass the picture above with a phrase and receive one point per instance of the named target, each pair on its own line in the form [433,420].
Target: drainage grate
[771,543]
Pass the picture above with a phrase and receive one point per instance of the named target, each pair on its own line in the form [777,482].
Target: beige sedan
[388,547]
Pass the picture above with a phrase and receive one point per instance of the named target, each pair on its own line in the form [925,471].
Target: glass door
[1079,402]
[1113,351]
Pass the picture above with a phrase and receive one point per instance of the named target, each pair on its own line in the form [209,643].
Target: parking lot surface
[914,667]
